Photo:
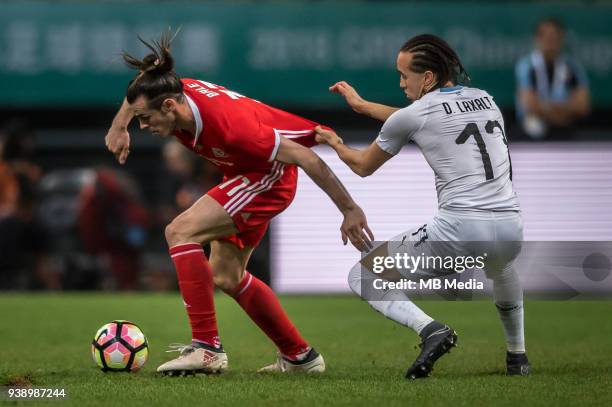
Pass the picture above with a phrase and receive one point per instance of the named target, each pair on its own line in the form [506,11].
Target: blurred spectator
[552,86]
[23,245]
[113,222]
[97,226]
[9,190]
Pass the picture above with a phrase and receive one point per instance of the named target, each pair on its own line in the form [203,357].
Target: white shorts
[494,236]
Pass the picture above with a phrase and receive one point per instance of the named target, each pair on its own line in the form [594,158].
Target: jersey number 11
[471,129]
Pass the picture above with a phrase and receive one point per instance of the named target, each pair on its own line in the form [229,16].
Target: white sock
[394,304]
[508,295]
[403,312]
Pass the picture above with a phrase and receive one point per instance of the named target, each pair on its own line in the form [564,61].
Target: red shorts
[253,199]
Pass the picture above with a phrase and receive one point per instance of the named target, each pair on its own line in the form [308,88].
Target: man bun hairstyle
[156,79]
[432,53]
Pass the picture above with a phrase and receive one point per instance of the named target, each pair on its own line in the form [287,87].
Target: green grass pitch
[44,340]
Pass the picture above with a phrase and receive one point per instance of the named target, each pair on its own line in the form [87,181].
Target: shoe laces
[280,362]
[439,331]
[180,347]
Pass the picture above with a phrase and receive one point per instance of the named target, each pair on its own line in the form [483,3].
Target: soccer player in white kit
[460,131]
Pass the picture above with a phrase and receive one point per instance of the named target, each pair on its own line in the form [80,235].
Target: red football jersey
[236,133]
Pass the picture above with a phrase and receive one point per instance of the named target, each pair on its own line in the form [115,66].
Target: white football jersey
[460,131]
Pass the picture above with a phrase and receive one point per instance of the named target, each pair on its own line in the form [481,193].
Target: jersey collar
[451,89]
[197,117]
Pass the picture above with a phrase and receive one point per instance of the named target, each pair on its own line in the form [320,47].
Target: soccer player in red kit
[257,147]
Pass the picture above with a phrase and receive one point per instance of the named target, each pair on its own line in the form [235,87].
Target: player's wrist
[119,125]
[337,141]
[348,207]
[362,107]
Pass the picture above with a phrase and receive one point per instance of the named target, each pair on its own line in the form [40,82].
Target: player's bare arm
[358,104]
[355,226]
[362,162]
[118,138]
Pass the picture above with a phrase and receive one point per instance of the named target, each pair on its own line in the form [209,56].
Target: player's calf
[228,269]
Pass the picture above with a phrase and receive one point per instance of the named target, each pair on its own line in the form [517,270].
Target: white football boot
[194,360]
[313,363]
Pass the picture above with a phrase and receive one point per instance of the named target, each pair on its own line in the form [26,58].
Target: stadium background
[62,80]
[86,223]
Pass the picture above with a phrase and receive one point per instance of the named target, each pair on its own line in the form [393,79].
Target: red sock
[195,280]
[261,304]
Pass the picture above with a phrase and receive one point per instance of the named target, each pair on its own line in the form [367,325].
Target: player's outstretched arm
[360,105]
[355,225]
[118,138]
[361,162]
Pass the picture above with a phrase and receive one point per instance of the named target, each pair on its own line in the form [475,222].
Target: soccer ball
[120,346]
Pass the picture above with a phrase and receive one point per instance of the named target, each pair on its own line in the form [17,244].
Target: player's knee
[174,233]
[354,279]
[499,272]
[179,232]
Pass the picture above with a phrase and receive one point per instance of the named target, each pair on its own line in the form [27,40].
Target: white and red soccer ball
[120,346]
